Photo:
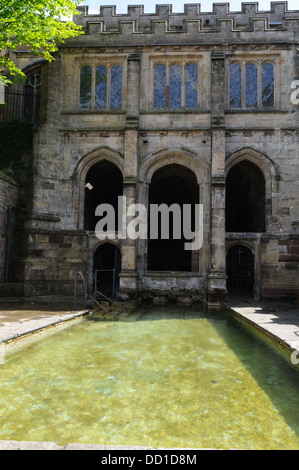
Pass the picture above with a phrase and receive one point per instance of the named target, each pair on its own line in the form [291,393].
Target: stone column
[128,275]
[217,276]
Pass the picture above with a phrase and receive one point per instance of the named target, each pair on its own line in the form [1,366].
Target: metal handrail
[93,297]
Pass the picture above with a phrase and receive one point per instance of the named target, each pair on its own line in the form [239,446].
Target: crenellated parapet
[278,22]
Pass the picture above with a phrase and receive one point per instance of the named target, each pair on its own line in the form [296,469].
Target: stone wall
[139,140]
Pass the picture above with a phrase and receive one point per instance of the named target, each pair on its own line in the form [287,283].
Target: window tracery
[101,86]
[175,86]
[251,84]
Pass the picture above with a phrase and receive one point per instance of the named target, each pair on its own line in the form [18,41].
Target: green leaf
[36,24]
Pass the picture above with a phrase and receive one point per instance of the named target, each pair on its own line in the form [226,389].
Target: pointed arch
[85,164]
[260,172]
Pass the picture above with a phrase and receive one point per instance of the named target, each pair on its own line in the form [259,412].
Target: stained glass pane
[116,87]
[251,86]
[175,86]
[160,86]
[267,84]
[191,86]
[101,87]
[235,85]
[85,87]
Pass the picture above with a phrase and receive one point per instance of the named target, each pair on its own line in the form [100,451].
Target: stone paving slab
[278,320]
[20,317]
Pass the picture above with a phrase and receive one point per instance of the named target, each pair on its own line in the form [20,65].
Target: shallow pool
[174,378]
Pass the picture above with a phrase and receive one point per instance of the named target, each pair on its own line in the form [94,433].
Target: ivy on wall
[16,149]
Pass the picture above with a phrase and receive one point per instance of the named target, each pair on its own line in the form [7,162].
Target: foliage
[15,153]
[35,24]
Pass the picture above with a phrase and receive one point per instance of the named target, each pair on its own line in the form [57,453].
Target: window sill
[176,111]
[255,110]
[93,111]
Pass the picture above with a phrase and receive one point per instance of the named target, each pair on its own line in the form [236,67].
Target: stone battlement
[191,21]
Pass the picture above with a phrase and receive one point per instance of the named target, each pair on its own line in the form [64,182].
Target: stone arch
[240,270]
[82,168]
[107,266]
[178,156]
[261,160]
[188,161]
[267,168]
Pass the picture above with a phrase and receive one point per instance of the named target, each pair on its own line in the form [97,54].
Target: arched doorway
[107,266]
[172,184]
[104,183]
[245,198]
[240,271]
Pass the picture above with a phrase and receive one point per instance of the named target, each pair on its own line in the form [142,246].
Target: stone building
[196,108]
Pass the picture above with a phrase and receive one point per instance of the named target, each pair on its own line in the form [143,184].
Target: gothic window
[235,85]
[267,84]
[101,87]
[32,90]
[251,86]
[85,87]
[116,87]
[191,86]
[175,86]
[160,86]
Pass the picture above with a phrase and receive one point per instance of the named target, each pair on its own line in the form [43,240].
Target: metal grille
[235,85]
[267,84]
[240,271]
[116,87]
[191,86]
[85,86]
[22,105]
[175,86]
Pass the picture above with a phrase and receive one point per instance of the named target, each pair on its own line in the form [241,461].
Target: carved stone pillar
[128,275]
[217,276]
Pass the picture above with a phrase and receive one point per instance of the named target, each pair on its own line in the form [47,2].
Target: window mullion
[183,91]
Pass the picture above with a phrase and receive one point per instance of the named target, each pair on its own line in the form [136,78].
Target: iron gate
[240,271]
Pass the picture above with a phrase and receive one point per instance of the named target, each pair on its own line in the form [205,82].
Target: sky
[177,5]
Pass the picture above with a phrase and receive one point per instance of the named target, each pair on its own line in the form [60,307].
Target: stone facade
[156,143]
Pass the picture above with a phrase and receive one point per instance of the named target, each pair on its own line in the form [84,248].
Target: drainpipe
[8,240]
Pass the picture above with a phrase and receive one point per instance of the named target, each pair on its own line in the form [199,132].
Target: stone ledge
[28,445]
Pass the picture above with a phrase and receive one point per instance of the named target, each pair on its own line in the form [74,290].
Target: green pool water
[174,378]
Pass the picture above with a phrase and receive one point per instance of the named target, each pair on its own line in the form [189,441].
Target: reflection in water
[192,379]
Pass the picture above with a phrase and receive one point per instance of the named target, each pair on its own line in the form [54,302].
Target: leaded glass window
[32,90]
[191,86]
[101,87]
[235,85]
[116,87]
[85,86]
[160,86]
[175,86]
[251,85]
[267,84]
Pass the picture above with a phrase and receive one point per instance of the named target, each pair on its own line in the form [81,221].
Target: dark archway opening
[106,185]
[240,271]
[107,266]
[245,198]
[172,184]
